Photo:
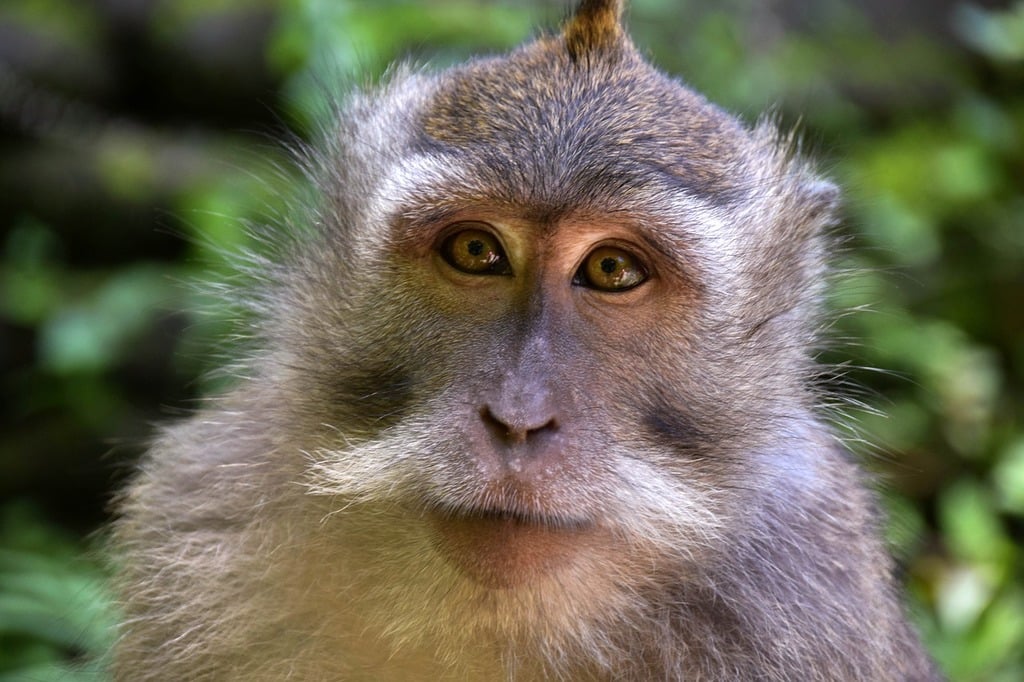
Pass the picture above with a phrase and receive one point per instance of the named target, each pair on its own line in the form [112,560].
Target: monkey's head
[555,323]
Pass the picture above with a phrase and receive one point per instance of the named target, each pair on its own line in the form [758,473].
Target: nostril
[493,424]
[515,428]
[504,429]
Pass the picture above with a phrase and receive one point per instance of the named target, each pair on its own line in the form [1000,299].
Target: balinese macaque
[535,399]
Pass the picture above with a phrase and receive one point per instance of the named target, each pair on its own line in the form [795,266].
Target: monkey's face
[548,329]
[532,360]
[557,315]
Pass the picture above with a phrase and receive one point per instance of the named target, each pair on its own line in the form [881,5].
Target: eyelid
[453,228]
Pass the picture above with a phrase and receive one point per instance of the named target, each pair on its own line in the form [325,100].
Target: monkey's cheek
[505,553]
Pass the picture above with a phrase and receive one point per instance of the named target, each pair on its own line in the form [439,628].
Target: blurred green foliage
[55,616]
[916,108]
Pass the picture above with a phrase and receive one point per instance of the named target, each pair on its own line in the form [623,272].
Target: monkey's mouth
[501,548]
[514,517]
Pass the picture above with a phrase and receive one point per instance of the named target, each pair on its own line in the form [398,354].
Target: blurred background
[138,137]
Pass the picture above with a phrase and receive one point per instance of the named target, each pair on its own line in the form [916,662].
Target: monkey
[533,396]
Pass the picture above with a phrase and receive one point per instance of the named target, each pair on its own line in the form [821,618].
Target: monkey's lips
[504,549]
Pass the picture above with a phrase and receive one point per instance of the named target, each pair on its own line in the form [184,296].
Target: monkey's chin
[502,550]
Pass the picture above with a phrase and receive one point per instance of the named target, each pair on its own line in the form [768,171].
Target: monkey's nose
[517,426]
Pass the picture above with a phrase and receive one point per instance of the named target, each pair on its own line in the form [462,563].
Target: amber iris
[608,268]
[475,251]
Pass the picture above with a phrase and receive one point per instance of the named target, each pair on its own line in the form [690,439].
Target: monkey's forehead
[549,115]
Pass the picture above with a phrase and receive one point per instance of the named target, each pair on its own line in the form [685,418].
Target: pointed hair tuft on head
[596,25]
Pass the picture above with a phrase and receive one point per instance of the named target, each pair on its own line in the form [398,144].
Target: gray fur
[281,533]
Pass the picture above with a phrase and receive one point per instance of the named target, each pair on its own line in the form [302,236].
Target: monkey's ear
[821,199]
[595,26]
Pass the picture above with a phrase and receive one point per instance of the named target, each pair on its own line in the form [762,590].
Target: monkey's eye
[476,252]
[608,268]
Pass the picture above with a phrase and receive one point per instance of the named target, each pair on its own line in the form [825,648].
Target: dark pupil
[475,247]
[608,265]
